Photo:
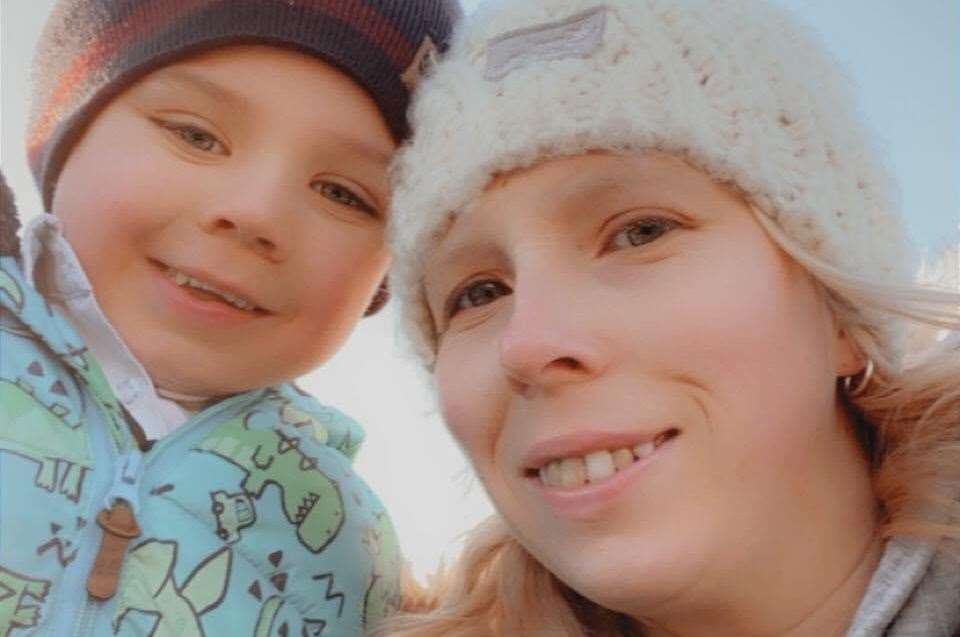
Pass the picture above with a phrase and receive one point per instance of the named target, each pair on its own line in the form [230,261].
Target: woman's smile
[650,376]
[584,473]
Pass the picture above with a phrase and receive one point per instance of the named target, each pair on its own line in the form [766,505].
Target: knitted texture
[736,87]
[91,49]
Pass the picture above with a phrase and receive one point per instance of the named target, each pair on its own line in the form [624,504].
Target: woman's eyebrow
[589,187]
[456,252]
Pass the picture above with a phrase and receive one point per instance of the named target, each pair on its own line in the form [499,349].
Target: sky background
[905,59]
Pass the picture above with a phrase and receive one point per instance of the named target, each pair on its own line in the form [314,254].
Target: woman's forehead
[575,184]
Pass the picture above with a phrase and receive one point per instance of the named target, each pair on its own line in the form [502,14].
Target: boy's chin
[206,382]
[182,367]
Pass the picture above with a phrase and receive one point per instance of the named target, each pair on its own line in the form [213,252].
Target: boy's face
[255,172]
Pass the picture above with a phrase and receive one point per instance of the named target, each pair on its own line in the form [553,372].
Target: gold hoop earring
[862,385]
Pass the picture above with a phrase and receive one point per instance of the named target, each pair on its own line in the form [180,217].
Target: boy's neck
[188,402]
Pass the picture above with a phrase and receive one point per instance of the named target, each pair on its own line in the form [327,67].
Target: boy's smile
[229,211]
[218,301]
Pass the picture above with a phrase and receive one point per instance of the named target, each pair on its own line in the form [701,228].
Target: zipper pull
[119,526]
[118,519]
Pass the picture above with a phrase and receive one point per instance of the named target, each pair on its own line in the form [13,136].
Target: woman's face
[643,381]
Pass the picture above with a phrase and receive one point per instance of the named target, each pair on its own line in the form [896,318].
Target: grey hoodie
[915,592]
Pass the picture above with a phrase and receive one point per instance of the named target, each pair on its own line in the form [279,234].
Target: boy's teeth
[182,279]
[596,466]
[599,465]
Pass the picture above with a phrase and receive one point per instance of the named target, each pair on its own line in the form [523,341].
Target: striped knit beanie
[738,88]
[91,49]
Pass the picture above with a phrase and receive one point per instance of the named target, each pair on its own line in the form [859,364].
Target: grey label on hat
[578,36]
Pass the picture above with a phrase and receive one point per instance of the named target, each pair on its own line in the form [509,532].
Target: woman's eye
[477,294]
[342,195]
[197,138]
[641,232]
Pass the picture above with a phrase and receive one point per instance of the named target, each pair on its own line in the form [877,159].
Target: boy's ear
[379,299]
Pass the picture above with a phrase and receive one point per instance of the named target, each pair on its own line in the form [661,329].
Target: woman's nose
[548,342]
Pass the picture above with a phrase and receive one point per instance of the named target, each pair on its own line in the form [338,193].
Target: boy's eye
[640,232]
[197,138]
[476,294]
[342,195]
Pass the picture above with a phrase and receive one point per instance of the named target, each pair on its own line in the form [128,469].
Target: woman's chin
[634,575]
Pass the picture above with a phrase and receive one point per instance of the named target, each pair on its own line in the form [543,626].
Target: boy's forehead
[241,80]
[180,78]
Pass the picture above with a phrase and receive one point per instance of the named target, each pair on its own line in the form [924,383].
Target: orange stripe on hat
[100,50]
[363,18]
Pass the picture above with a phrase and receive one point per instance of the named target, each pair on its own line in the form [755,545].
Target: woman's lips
[582,444]
[578,486]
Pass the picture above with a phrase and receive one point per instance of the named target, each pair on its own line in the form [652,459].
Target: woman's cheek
[462,385]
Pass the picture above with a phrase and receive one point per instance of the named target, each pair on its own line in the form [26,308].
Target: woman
[657,273]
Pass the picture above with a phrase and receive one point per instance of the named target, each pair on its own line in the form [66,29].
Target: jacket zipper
[125,485]
[75,612]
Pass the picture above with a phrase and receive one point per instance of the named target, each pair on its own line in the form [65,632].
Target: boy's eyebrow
[223,95]
[203,85]
[360,148]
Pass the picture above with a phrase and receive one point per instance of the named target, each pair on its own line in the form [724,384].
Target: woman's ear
[850,361]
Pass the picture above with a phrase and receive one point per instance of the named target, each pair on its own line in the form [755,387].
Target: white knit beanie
[736,87]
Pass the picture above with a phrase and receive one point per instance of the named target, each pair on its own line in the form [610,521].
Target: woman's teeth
[596,466]
[182,280]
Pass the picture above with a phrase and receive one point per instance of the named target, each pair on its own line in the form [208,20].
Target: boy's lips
[212,288]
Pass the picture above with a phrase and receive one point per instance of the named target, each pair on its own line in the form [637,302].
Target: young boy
[216,170]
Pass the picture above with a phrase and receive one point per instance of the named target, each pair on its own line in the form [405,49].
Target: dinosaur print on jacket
[15,590]
[43,434]
[232,511]
[269,623]
[268,455]
[383,590]
[147,586]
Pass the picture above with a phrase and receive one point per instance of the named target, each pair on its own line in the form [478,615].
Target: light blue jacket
[252,519]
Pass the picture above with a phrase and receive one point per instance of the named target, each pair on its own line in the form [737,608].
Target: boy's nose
[253,233]
[254,215]
[548,342]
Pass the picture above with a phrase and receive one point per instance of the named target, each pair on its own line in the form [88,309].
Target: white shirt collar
[53,267]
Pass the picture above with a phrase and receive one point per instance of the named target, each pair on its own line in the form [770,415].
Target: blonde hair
[909,421]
